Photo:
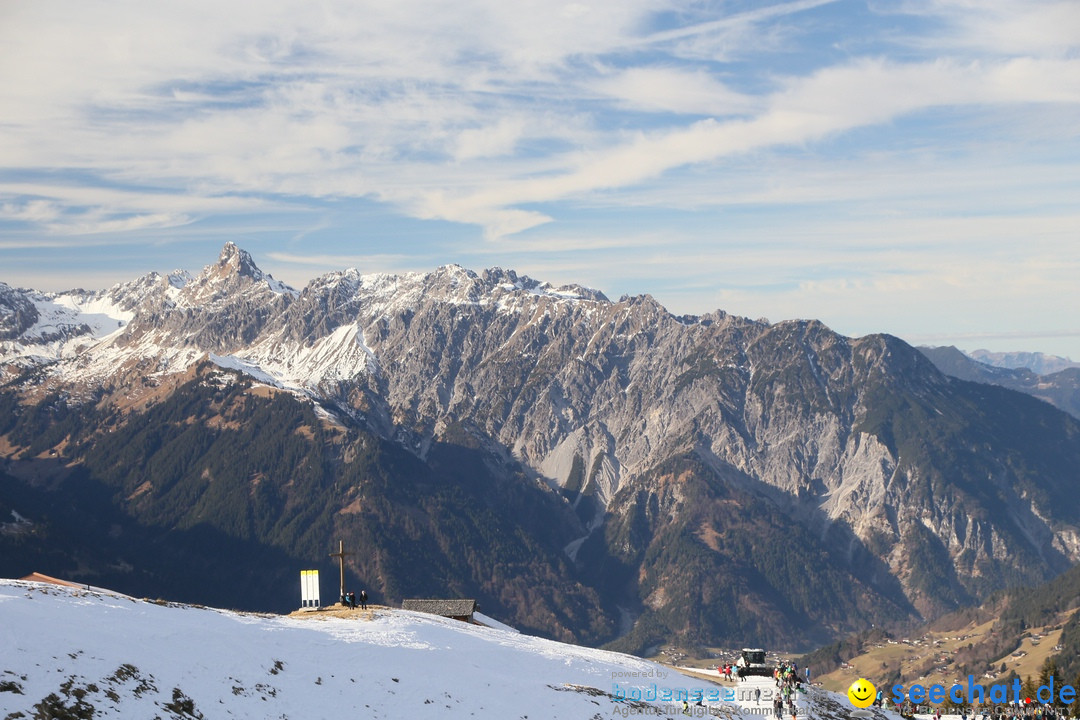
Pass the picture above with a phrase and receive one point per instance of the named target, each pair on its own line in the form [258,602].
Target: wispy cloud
[533,129]
[738,20]
[997,27]
[674,90]
[345,261]
[981,337]
[831,101]
[286,101]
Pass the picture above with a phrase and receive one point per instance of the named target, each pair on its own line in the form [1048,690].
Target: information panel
[309,588]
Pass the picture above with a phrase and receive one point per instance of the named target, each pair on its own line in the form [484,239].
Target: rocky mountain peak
[234,273]
[233,265]
[234,259]
[17,312]
[497,280]
[178,278]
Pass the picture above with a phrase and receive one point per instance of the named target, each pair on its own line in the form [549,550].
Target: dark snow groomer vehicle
[752,662]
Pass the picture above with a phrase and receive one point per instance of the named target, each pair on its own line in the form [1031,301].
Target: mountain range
[1036,362]
[1055,380]
[592,470]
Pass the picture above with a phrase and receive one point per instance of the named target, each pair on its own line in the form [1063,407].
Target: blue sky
[903,167]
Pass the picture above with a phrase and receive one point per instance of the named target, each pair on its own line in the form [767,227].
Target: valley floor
[928,659]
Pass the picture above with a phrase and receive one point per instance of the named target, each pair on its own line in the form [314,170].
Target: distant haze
[1036,362]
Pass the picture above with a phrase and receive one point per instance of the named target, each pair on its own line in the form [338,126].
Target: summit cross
[340,555]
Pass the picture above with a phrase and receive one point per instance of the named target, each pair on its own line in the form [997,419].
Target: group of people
[788,684]
[788,674]
[349,600]
[778,707]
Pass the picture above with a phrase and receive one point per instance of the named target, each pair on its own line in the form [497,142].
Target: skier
[363,600]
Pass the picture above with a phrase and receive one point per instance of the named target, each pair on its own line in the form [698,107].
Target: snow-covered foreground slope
[74,653]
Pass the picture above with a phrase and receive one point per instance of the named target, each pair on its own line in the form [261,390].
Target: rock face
[731,477]
[17,313]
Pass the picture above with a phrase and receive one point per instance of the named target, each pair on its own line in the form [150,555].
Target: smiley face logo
[862,693]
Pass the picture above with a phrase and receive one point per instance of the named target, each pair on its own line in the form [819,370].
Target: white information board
[309,588]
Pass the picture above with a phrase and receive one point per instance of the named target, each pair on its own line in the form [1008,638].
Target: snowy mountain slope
[710,463]
[242,318]
[38,328]
[76,653]
[1036,362]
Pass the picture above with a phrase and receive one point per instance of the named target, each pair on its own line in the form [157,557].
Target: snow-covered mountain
[1036,362]
[240,318]
[94,654]
[87,338]
[720,475]
[38,328]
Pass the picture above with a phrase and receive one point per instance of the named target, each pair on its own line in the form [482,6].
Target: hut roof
[38,577]
[446,608]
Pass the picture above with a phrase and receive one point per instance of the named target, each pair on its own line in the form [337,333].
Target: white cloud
[537,122]
[284,97]
[734,35]
[831,101]
[493,140]
[1036,28]
[675,90]
[64,209]
[42,211]
[348,100]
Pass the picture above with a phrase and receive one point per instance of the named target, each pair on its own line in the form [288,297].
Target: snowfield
[66,652]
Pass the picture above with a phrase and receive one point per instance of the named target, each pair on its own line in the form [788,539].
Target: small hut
[457,609]
[38,577]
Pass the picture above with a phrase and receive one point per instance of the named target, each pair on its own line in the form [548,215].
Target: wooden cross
[340,555]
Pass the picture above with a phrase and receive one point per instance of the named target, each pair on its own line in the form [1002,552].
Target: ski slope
[69,652]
